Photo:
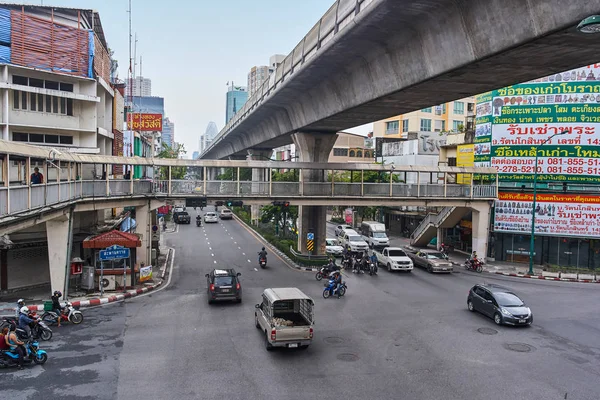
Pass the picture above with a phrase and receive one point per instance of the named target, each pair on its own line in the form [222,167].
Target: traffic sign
[154,228]
[114,252]
[310,236]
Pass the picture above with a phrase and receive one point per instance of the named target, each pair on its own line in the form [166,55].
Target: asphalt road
[394,336]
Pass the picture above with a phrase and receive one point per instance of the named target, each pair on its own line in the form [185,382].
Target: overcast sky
[192,48]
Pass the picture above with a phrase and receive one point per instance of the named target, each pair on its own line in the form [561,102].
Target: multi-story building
[54,96]
[256,77]
[448,117]
[195,155]
[208,136]
[168,132]
[235,99]
[139,86]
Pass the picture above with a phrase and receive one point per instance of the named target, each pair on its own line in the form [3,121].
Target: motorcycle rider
[56,304]
[262,254]
[364,261]
[198,220]
[336,276]
[374,259]
[16,345]
[20,304]
[24,320]
[473,259]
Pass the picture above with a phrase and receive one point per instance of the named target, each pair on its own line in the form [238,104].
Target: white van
[374,234]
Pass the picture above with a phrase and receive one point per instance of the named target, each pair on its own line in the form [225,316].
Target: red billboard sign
[144,122]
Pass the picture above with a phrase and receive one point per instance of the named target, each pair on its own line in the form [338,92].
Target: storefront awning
[111,238]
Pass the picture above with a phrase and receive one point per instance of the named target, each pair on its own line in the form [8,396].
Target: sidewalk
[35,298]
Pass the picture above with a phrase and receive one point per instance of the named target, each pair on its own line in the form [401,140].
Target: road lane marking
[249,261]
[243,254]
[215,261]
[210,248]
[255,269]
[211,255]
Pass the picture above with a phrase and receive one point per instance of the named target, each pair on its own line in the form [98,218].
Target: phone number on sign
[548,169]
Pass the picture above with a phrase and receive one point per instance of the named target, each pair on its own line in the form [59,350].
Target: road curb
[104,300]
[280,253]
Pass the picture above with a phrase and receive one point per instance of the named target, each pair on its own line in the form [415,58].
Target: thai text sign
[144,122]
[114,253]
[520,118]
[556,214]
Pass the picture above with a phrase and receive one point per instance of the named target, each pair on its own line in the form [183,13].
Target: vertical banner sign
[310,241]
[146,273]
[348,216]
[465,158]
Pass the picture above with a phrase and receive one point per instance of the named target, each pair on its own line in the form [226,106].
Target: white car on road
[211,217]
[340,228]
[332,247]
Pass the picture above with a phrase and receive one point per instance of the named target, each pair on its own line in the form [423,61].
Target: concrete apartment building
[442,118]
[139,86]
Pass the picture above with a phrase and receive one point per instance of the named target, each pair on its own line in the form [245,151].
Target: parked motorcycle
[473,265]
[330,289]
[9,358]
[68,314]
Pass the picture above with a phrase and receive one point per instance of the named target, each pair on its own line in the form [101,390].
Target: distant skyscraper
[168,132]
[141,86]
[195,155]
[235,100]
[206,139]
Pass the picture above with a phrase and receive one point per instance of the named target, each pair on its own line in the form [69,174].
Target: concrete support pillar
[315,148]
[480,229]
[259,175]
[440,236]
[58,232]
[143,228]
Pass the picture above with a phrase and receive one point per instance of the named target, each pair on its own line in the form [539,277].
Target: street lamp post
[535,176]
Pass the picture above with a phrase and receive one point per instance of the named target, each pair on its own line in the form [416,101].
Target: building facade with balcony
[448,117]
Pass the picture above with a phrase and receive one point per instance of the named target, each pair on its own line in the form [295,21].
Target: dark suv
[181,217]
[500,304]
[224,284]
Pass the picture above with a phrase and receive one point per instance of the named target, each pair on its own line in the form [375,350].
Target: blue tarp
[91,54]
[4,54]
[5,26]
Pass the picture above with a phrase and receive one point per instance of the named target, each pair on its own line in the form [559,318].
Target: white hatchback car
[211,217]
[226,214]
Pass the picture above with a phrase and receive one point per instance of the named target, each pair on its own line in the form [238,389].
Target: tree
[230,174]
[279,216]
[170,152]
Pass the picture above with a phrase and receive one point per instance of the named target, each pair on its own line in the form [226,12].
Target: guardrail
[18,199]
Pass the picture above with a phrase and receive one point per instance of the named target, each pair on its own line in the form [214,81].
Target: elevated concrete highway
[369,60]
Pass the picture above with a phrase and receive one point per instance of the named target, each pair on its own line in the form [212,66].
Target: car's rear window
[223,280]
[210,214]
[183,213]
[226,211]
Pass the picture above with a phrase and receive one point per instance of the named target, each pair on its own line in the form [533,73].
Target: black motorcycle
[262,261]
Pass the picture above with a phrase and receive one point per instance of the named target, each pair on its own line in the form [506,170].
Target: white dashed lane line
[249,261]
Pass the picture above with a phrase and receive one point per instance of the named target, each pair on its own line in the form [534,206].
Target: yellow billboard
[465,157]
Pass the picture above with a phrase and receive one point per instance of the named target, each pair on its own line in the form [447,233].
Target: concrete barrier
[564,275]
[587,277]
[551,274]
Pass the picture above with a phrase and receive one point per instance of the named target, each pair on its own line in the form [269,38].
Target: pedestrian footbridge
[84,181]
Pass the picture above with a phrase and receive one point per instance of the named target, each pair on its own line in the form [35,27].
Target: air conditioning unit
[108,282]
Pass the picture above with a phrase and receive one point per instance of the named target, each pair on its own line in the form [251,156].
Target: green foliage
[289,176]
[169,152]
[230,174]
[368,176]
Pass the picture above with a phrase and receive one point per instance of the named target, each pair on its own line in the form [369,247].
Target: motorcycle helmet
[57,293]
[263,249]
[21,302]
[24,310]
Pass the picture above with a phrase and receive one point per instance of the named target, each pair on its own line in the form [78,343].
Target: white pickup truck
[286,317]
[394,259]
